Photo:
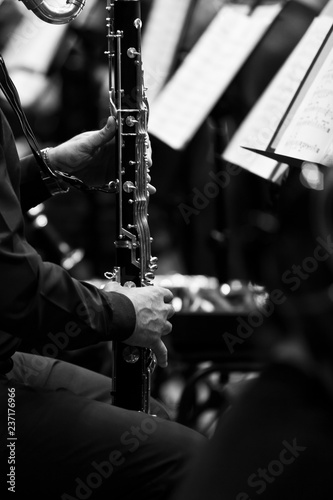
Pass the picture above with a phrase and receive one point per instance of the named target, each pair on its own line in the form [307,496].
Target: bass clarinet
[134,266]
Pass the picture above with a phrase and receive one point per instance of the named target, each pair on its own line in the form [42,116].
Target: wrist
[54,184]
[123,315]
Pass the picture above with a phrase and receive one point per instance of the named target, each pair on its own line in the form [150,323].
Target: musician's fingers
[151,189]
[168,295]
[161,354]
[171,311]
[167,329]
[104,135]
[149,154]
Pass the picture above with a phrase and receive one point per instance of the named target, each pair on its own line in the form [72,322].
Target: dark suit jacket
[41,305]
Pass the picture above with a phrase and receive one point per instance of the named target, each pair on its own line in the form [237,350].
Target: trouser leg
[50,373]
[71,446]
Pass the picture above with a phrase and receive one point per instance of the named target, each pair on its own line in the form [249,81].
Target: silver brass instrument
[132,366]
[55,15]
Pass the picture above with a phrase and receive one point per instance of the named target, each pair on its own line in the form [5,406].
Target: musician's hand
[151,188]
[153,309]
[86,155]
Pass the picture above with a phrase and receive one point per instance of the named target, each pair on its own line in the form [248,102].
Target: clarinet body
[131,366]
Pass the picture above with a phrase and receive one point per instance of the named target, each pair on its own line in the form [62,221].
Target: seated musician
[60,436]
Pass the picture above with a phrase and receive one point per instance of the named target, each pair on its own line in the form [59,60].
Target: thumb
[106,133]
[161,353]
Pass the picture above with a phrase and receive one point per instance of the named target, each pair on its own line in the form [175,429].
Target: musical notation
[310,131]
[259,126]
[160,39]
[303,146]
[328,9]
[220,52]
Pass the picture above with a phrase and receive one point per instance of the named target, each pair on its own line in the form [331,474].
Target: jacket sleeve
[40,301]
[32,188]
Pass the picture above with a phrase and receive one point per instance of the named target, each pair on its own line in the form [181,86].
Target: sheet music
[328,9]
[33,44]
[309,136]
[160,38]
[206,72]
[258,128]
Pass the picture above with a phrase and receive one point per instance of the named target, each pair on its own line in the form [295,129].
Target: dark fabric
[32,189]
[72,444]
[40,303]
[274,443]
[60,438]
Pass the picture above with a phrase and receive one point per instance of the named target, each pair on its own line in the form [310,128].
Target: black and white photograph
[166,249]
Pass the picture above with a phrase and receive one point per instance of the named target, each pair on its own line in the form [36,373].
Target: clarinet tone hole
[131,354]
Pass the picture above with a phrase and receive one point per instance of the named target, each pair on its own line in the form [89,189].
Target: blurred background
[205,233]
